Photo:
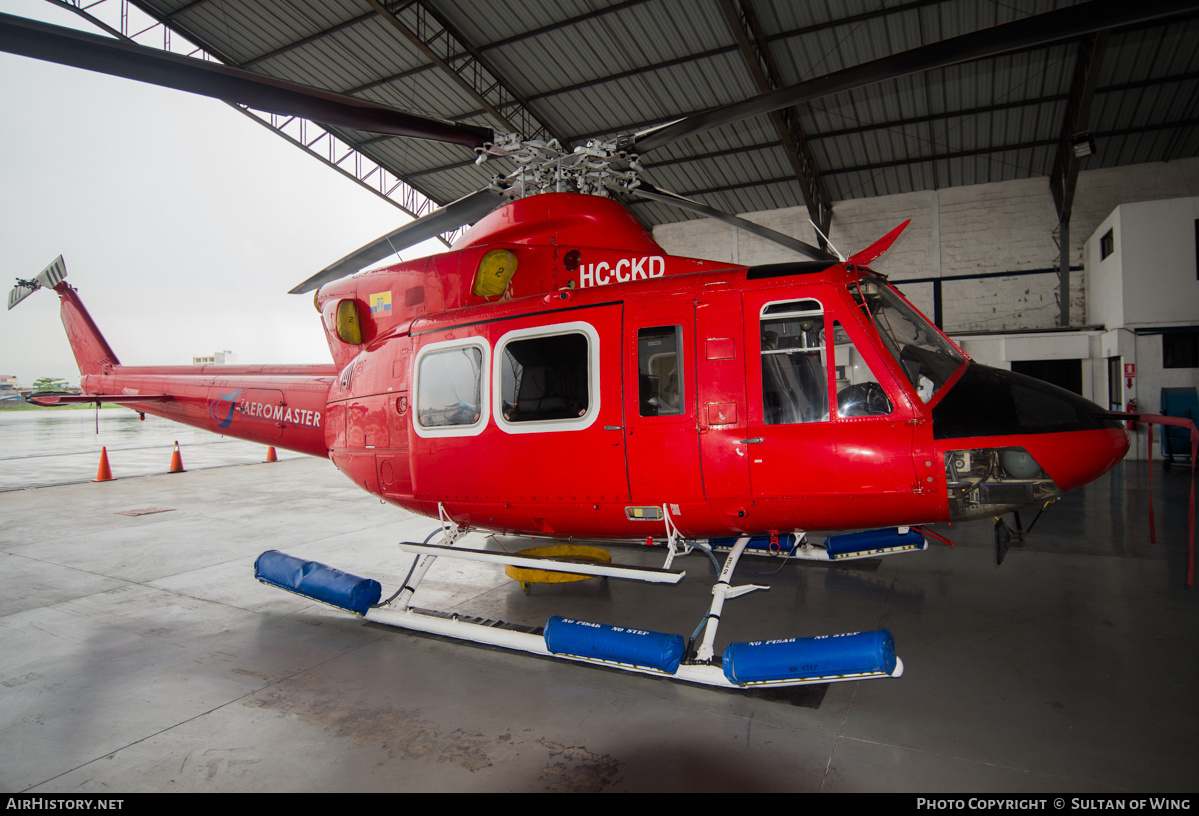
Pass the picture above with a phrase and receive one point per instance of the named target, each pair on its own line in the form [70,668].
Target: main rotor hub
[600,167]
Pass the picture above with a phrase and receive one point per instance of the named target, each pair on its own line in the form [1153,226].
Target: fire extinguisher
[1132,409]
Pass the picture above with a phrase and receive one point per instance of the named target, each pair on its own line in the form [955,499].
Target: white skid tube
[647,574]
[703,674]
[786,662]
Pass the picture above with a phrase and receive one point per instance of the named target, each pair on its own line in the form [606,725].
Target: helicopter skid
[493,633]
[789,662]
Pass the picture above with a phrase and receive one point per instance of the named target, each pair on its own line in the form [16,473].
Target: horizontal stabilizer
[647,574]
[49,278]
[62,398]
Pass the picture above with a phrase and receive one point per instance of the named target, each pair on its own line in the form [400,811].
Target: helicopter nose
[1075,458]
[1074,440]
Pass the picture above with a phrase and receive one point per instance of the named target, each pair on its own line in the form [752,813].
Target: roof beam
[642,69]
[893,124]
[715,52]
[1076,122]
[444,46]
[320,35]
[1064,176]
[747,31]
[961,154]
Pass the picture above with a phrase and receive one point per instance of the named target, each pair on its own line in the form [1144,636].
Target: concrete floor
[139,654]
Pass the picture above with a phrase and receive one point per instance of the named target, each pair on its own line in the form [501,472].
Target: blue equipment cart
[1178,402]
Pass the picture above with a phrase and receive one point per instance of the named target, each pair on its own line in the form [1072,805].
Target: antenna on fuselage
[836,251]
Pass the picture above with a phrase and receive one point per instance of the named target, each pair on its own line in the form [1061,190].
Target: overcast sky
[182,222]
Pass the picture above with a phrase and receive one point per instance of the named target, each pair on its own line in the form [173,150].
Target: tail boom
[272,405]
[282,406]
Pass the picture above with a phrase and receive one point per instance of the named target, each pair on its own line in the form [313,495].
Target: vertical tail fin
[92,352]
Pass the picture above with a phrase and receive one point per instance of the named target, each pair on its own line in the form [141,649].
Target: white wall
[1158,262]
[1105,277]
[1149,281]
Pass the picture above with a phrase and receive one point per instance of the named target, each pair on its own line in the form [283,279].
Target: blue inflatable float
[317,581]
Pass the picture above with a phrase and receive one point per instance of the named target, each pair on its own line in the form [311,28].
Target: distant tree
[50,384]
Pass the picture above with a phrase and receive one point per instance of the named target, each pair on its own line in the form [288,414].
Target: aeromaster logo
[221,411]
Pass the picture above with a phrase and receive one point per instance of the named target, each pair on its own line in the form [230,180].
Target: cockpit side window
[794,363]
[858,390]
[926,358]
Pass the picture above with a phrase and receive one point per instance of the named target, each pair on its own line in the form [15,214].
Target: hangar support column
[1074,143]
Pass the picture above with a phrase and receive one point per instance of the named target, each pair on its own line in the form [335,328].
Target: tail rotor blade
[465,210]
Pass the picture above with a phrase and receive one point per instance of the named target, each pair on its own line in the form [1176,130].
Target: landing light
[349,329]
[494,273]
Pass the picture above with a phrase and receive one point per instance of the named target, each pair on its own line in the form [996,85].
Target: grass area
[24,406]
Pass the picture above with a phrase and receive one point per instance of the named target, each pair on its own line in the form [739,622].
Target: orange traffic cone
[270,454]
[176,460]
[104,474]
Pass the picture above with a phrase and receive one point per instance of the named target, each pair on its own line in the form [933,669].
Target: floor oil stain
[399,732]
[574,769]
[407,734]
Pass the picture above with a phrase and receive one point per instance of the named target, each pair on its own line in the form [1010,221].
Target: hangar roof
[572,69]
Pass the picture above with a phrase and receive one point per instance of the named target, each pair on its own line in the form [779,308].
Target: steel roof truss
[751,41]
[446,48]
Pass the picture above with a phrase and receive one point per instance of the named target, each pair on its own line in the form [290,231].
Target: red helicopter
[710,406]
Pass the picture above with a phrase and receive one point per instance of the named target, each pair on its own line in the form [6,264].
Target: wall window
[449,388]
[794,366]
[660,371]
[1065,374]
[1180,349]
[1107,244]
[547,379]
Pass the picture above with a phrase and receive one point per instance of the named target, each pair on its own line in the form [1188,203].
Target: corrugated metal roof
[598,67]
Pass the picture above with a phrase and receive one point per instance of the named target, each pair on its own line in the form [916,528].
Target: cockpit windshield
[926,358]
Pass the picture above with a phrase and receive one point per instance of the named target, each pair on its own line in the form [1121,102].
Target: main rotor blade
[646,190]
[465,210]
[1041,29]
[94,53]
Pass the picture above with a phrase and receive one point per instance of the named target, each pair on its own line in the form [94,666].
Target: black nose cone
[994,402]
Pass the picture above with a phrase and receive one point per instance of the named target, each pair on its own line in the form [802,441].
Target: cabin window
[548,378]
[660,371]
[794,366]
[449,388]
[858,389]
